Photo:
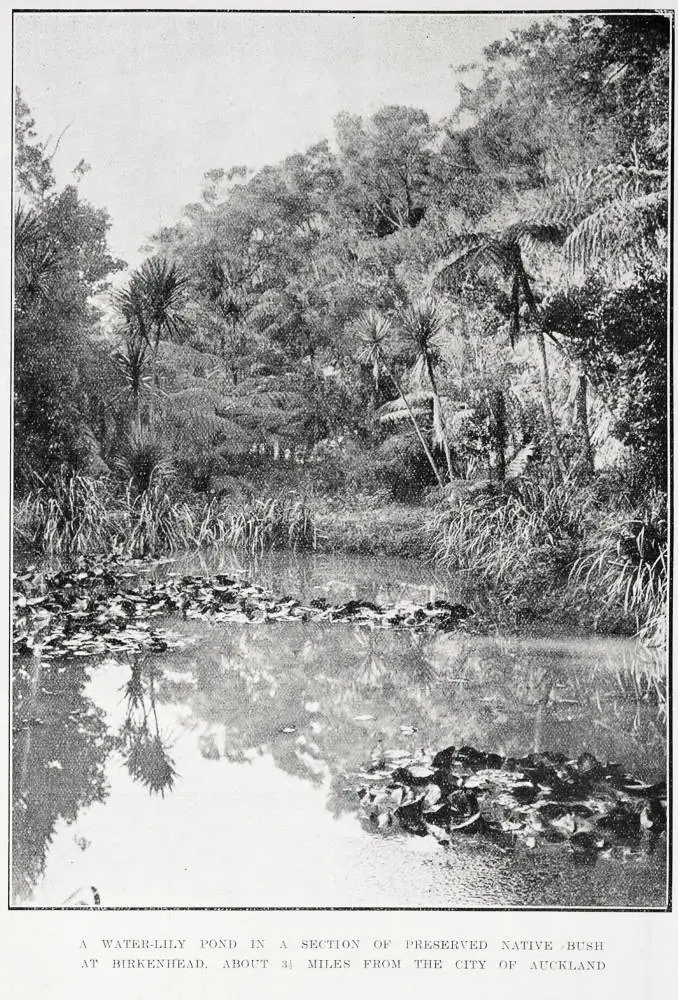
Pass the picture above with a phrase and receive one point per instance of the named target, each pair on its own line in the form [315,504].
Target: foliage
[272,523]
[144,460]
[625,565]
[61,260]
[620,335]
[65,514]
[151,302]
[529,533]
[340,319]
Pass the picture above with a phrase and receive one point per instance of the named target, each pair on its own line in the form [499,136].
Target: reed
[563,547]
[273,522]
[155,523]
[510,538]
[66,515]
[71,515]
[625,567]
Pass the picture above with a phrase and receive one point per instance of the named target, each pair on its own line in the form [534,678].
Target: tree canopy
[537,208]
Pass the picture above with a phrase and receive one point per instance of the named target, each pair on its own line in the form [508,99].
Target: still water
[224,774]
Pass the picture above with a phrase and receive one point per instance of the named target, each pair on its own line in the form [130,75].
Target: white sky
[154,100]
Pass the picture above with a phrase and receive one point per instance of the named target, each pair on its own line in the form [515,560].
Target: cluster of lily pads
[592,808]
[108,607]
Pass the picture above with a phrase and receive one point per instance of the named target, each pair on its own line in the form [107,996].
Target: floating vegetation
[107,608]
[591,808]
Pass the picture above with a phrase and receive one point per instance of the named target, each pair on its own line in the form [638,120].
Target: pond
[225,773]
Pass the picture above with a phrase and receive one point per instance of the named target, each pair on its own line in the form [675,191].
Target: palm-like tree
[36,256]
[499,256]
[132,363]
[151,304]
[373,331]
[613,215]
[422,325]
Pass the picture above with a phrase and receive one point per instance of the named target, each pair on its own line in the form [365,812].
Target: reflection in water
[269,727]
[60,747]
[145,751]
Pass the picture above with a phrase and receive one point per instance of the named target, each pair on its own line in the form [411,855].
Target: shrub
[144,461]
[398,466]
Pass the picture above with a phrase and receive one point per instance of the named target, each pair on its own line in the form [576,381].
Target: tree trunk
[497,408]
[581,424]
[396,382]
[556,454]
[446,447]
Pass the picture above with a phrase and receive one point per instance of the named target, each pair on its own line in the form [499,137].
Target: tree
[385,163]
[499,255]
[617,335]
[61,261]
[373,330]
[33,174]
[151,305]
[422,325]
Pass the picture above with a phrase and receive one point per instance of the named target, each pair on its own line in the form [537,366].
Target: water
[240,790]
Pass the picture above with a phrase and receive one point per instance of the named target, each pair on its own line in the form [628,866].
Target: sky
[153,100]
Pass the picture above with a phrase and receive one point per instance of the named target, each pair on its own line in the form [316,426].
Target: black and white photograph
[340,463]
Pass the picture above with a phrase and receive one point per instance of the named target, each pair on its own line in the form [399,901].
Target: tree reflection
[318,698]
[145,750]
[59,750]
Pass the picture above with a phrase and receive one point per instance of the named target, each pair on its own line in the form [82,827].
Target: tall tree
[61,261]
[151,304]
[385,163]
[422,326]
[499,255]
[373,331]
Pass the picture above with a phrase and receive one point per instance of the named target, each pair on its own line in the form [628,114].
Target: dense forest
[441,338]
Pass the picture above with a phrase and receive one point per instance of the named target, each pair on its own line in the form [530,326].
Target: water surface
[224,774]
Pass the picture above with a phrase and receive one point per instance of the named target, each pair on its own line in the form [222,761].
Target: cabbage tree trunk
[557,461]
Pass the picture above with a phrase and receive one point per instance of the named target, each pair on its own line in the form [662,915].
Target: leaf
[467,823]
[440,834]
[518,464]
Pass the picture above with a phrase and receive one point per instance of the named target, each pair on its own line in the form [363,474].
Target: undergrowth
[72,515]
[570,552]
[562,549]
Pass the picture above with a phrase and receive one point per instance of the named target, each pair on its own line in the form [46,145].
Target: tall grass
[275,522]
[563,547]
[508,538]
[72,515]
[625,566]
[68,514]
[155,524]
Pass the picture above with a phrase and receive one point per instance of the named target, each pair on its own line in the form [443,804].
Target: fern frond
[520,460]
[420,401]
[613,224]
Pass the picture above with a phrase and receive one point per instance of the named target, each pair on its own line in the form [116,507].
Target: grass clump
[72,515]
[269,523]
[546,549]
[512,537]
[155,524]
[67,514]
[624,567]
